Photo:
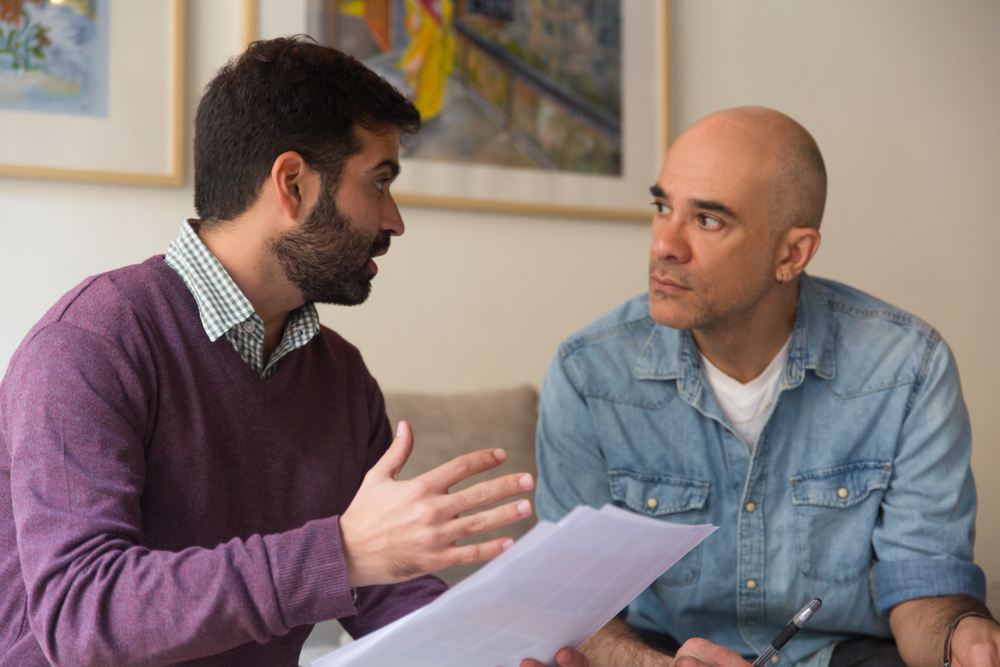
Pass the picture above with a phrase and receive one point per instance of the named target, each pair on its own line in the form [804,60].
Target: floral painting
[515,83]
[54,56]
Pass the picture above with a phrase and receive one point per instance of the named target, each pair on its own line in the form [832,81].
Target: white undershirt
[747,406]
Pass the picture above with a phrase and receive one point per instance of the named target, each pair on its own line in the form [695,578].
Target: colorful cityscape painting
[54,56]
[517,83]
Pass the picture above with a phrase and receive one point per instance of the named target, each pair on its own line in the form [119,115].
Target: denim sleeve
[924,541]
[571,466]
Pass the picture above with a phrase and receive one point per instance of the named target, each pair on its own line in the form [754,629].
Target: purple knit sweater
[161,503]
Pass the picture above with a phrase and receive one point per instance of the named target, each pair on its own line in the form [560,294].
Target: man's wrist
[946,654]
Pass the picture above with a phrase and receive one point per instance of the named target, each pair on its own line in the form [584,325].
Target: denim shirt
[858,492]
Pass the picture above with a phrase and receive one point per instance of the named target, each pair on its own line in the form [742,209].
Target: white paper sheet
[556,586]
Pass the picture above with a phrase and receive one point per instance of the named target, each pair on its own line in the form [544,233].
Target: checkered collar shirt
[224,309]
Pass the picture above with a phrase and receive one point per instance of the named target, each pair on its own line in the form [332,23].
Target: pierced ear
[288,178]
[798,248]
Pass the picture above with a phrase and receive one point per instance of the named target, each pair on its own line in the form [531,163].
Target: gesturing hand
[393,531]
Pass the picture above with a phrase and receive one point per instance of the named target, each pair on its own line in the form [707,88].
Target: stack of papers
[557,586]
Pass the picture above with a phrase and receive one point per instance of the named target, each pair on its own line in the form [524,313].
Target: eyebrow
[391,164]
[713,206]
[703,204]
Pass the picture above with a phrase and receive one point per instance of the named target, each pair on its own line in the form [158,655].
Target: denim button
[842,492]
[751,584]
[751,507]
[652,503]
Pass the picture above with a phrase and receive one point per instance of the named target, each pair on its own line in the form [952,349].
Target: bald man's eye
[661,208]
[708,222]
[380,183]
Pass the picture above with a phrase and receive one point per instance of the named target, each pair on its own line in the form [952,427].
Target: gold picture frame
[140,140]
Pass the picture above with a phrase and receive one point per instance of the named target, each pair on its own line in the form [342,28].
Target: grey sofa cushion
[446,426]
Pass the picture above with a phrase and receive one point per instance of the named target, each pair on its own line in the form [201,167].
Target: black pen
[793,626]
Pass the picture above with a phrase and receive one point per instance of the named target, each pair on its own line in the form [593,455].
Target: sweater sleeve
[76,410]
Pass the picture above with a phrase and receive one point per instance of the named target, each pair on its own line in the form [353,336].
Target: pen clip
[806,612]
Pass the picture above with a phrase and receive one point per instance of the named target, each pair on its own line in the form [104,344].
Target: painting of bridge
[517,83]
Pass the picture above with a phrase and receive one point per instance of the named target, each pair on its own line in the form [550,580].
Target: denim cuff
[899,581]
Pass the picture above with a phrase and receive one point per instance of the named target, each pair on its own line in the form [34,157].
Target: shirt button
[751,584]
[842,492]
[249,327]
[775,660]
[652,503]
[751,507]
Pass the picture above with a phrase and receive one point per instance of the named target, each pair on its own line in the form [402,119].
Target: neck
[743,348]
[242,247]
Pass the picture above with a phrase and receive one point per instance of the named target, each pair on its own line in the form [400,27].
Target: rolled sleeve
[899,581]
[924,541]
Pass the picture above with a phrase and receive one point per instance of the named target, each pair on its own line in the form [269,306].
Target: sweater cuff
[310,573]
[899,581]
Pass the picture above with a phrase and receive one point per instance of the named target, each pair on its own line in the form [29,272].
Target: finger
[487,520]
[699,652]
[688,661]
[395,457]
[528,662]
[489,492]
[475,553]
[448,474]
[567,657]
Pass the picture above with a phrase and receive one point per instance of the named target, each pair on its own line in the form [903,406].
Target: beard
[327,256]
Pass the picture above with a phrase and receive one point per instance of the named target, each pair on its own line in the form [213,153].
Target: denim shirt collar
[671,354]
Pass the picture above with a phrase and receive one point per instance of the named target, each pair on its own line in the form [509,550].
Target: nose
[670,242]
[392,221]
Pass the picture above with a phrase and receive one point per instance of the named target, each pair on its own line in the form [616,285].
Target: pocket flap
[842,486]
[656,495]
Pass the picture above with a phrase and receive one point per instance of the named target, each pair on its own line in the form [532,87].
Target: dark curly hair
[285,94]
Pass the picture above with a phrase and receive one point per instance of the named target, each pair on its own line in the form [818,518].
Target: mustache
[379,244]
[664,270]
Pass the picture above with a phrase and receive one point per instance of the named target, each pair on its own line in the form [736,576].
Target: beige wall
[903,97]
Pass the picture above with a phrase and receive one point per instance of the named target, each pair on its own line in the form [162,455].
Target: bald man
[821,429]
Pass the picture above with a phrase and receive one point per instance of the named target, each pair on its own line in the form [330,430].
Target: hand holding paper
[565,657]
[394,531]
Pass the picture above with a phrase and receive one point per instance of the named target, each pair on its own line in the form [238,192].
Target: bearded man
[192,468]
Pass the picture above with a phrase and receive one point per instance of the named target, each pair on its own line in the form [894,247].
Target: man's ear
[797,247]
[295,184]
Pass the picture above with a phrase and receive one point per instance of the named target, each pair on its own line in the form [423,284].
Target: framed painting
[553,107]
[92,90]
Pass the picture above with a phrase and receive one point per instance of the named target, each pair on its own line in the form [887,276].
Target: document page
[557,586]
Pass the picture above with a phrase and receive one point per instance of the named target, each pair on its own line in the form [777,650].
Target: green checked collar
[225,310]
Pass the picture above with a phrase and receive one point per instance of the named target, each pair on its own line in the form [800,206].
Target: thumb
[395,457]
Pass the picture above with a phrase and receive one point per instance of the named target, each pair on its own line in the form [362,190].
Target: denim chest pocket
[669,498]
[835,512]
